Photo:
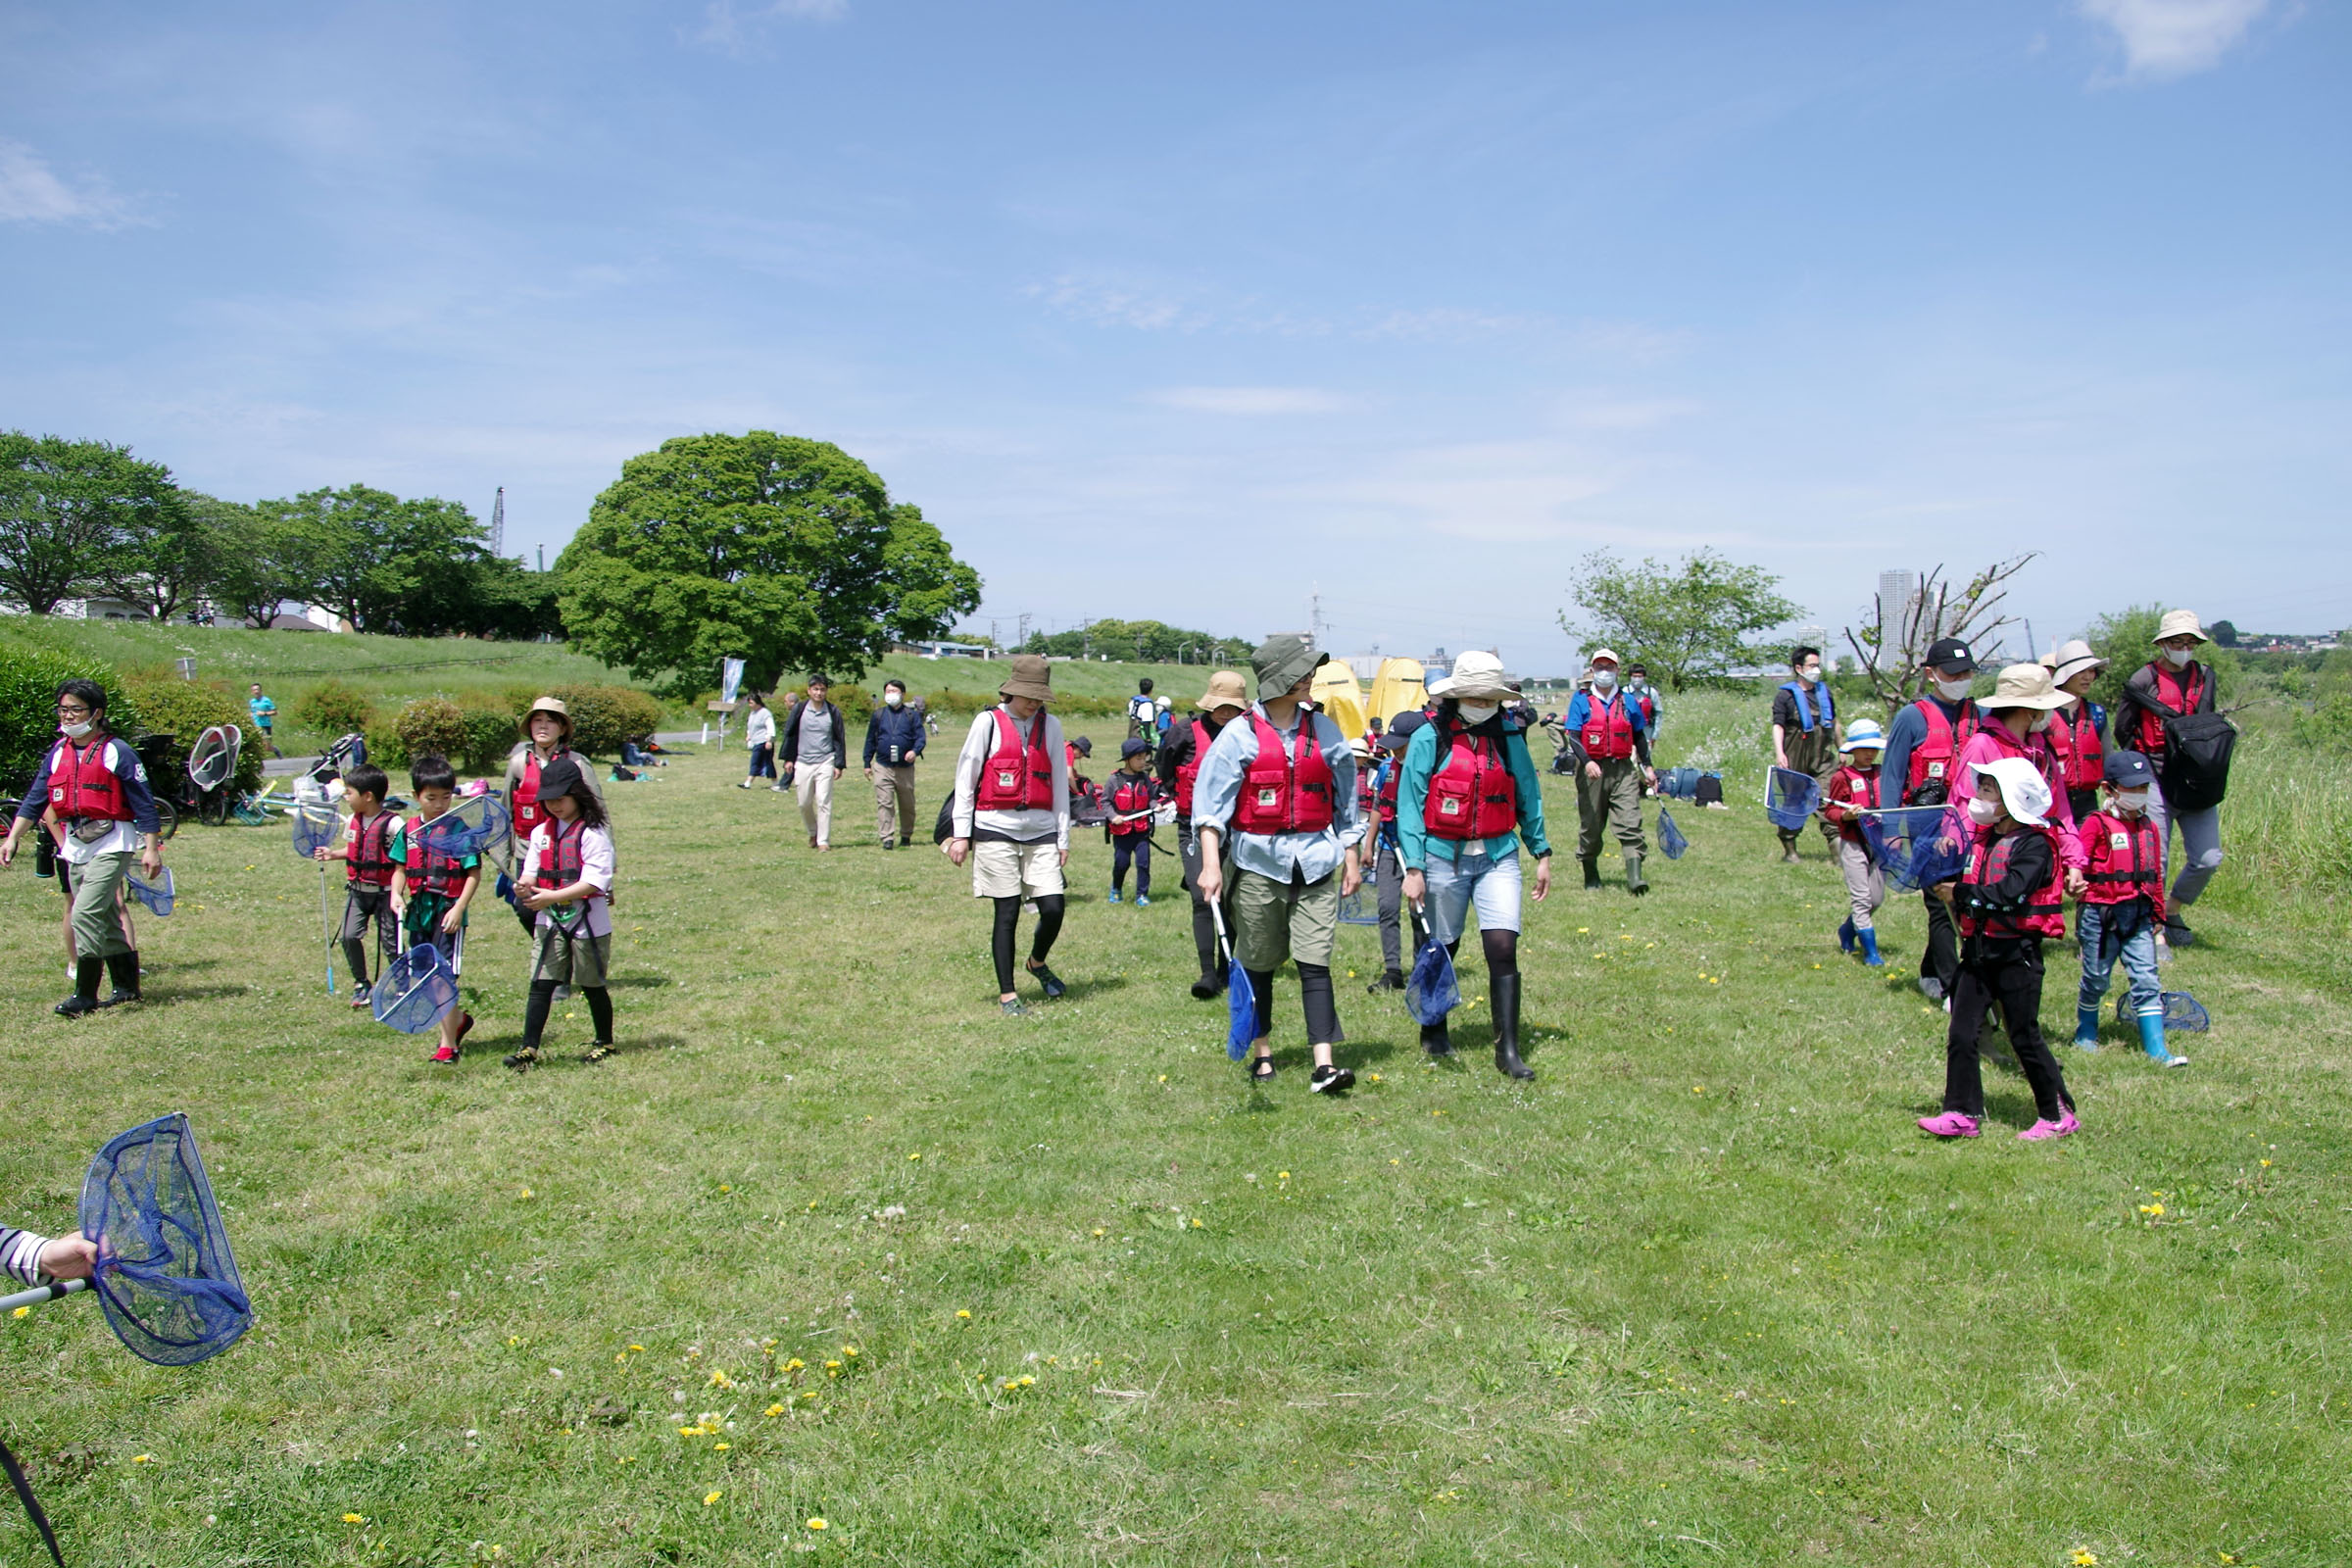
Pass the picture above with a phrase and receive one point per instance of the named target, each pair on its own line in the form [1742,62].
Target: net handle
[40,1295]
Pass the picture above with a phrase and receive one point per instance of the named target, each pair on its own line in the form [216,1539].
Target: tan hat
[549,705]
[1476,673]
[1226,689]
[2072,660]
[2180,624]
[1600,654]
[1031,677]
[2024,686]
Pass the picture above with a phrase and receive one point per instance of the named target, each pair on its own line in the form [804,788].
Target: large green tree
[69,511]
[1686,622]
[381,563]
[783,552]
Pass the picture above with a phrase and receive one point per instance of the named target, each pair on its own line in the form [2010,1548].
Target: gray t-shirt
[817,735]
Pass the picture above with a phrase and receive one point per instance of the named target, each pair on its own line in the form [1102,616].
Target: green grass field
[1700,1294]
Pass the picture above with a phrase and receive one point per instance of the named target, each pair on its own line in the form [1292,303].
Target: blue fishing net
[1914,846]
[415,990]
[1430,991]
[1361,908]
[2184,1014]
[156,895]
[166,1278]
[1241,1009]
[1670,837]
[314,829]
[505,889]
[474,825]
[1790,796]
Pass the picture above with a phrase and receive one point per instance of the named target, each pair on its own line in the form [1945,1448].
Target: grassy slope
[1698,1296]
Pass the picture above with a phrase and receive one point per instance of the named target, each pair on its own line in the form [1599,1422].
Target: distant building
[1365,665]
[935,649]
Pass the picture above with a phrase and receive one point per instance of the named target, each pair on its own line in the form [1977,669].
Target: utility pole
[992,635]
[1023,633]
[1314,616]
[498,523]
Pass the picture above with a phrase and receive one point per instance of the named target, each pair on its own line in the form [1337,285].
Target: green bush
[333,708]
[28,682]
[385,749]
[430,726]
[491,730]
[183,709]
[603,716]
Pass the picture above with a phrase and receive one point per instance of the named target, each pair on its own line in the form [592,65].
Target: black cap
[1400,728]
[1951,655]
[562,777]
[2130,770]
[1132,745]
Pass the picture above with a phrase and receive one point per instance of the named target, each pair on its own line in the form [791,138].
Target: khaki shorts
[1002,870]
[1277,920]
[580,963]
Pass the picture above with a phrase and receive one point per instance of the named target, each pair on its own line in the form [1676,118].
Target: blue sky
[1191,312]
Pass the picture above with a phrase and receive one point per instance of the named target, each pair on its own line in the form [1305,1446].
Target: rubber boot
[1389,980]
[1869,948]
[2151,1040]
[1845,935]
[1633,876]
[1592,875]
[123,968]
[2086,1028]
[86,974]
[1434,1040]
[1503,994]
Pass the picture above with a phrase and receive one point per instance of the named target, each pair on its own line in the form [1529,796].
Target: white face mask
[1604,680]
[893,699]
[2179,658]
[1983,812]
[1953,690]
[1810,675]
[1477,713]
[1635,683]
[75,732]
[2041,721]
[2133,803]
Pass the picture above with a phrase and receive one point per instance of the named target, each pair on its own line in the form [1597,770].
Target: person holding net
[430,888]
[367,875]
[566,883]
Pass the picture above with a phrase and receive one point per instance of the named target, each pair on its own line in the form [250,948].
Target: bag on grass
[2184,1014]
[1790,796]
[156,895]
[1430,991]
[1670,837]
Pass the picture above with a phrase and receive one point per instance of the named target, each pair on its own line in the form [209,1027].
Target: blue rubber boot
[2086,1028]
[1870,949]
[2151,1040]
[1114,895]
[1846,936]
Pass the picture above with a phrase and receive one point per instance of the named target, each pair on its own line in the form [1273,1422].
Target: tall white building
[1896,591]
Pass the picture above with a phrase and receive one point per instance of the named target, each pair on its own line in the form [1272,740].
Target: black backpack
[2194,769]
[945,828]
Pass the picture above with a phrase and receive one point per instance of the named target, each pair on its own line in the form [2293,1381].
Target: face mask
[1952,691]
[1635,683]
[75,732]
[2134,802]
[2179,658]
[1477,713]
[1810,675]
[1983,812]
[2041,721]
[893,699]
[1603,681]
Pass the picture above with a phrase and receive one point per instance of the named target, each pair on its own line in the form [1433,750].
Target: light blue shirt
[1313,856]
[1415,844]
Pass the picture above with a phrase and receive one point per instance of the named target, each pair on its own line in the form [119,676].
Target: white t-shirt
[596,866]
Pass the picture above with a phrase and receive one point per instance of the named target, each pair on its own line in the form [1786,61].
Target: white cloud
[729,25]
[30,192]
[1250,400]
[2167,38]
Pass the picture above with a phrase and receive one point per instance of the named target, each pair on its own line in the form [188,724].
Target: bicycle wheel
[167,815]
[212,808]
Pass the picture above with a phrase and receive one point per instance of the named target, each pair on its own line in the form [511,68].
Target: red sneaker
[445,1053]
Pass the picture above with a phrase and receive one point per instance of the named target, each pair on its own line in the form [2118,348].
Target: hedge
[28,682]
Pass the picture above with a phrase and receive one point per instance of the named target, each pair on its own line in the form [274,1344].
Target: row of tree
[83,520]
[1152,642]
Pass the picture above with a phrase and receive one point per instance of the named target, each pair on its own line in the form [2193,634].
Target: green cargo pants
[1614,800]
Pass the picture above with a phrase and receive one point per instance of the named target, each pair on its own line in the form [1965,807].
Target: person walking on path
[894,738]
[1180,758]
[1133,795]
[1617,768]
[1469,796]
[815,748]
[1923,748]
[1012,820]
[97,788]
[2173,685]
[547,739]
[2078,732]
[1854,789]
[760,736]
[1280,783]
[264,713]
[2018,717]
[1804,736]
[1388,870]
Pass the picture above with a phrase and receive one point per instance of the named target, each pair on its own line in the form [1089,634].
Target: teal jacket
[1413,840]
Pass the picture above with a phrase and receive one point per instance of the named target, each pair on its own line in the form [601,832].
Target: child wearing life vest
[546,738]
[1181,754]
[431,890]
[2077,731]
[1388,870]
[566,884]
[2008,899]
[2123,905]
[1012,820]
[1134,794]
[368,834]
[1854,789]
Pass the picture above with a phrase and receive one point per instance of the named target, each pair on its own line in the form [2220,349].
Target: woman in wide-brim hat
[2078,732]
[2173,683]
[546,739]
[1010,819]
[2018,716]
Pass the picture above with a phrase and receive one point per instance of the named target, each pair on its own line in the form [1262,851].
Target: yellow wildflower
[354,1519]
[773,1409]
[816,1524]
[965,1313]
[710,1497]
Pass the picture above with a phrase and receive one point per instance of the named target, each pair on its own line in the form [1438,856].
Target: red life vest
[1019,776]
[1284,792]
[2045,909]
[429,870]
[1650,707]
[2187,690]
[1384,797]
[1932,759]
[1132,792]
[2081,763]
[367,851]
[527,813]
[2126,860]
[1608,732]
[1851,788]
[1472,794]
[82,786]
[1190,769]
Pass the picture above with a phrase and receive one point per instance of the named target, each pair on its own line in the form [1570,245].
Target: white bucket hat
[1475,674]
[2071,659]
[2023,791]
[2180,624]
[1863,732]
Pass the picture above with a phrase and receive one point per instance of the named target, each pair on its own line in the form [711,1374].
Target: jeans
[2201,837]
[763,760]
[2007,971]
[1485,884]
[2108,931]
[1136,847]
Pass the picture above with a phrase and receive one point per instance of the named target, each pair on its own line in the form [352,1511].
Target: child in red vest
[2009,897]
[2123,907]
[1133,795]
[366,874]
[431,889]
[1854,789]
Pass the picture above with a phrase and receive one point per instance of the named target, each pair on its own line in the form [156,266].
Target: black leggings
[1314,996]
[1500,948]
[1008,916]
[2008,972]
[543,998]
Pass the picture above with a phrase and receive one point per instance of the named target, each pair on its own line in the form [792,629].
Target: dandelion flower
[795,1364]
[1163,1077]
[526,1192]
[2152,1210]
[1282,1175]
[23,1310]
[1375,1077]
[850,1351]
[918,1155]
[818,1524]
[354,1519]
[638,1347]
[142,1458]
[964,1313]
[710,1497]
[724,1188]
[1698,1089]
[2085,1559]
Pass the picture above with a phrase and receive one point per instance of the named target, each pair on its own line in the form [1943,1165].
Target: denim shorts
[1488,884]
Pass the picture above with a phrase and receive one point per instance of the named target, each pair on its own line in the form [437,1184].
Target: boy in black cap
[1134,796]
[2124,905]
[1923,753]
[1387,869]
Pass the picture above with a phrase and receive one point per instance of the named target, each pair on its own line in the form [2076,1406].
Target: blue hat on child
[2130,770]
[1132,745]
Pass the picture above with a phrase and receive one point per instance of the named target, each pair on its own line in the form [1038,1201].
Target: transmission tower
[498,523]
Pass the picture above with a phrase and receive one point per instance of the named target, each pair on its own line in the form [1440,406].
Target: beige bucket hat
[1031,677]
[2024,686]
[1226,689]
[549,705]
[2072,660]
[2180,624]
[1475,674]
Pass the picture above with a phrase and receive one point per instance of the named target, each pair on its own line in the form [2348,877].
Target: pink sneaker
[1951,1125]
[445,1053]
[2041,1130]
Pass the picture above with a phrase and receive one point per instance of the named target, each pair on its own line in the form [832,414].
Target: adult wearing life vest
[2079,730]
[1468,797]
[1387,867]
[1181,754]
[1012,820]
[97,788]
[1615,741]
[2017,719]
[1279,783]
[547,737]
[1805,737]
[2173,685]
[1923,753]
